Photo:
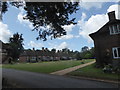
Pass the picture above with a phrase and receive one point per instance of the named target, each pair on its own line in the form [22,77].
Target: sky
[90,17]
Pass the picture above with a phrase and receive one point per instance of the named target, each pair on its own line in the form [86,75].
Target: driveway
[38,80]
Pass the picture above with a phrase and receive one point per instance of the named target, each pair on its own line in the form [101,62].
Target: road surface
[39,80]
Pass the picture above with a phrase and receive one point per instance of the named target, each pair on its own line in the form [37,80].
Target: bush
[87,56]
[108,68]
[116,69]
[82,62]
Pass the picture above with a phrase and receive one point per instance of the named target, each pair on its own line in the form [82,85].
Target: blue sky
[90,17]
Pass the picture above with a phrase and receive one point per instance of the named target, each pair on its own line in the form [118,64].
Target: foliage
[88,55]
[84,49]
[4,7]
[44,14]
[116,69]
[78,56]
[16,43]
[110,69]
[107,68]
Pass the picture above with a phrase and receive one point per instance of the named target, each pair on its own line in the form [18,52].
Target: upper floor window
[114,29]
[116,52]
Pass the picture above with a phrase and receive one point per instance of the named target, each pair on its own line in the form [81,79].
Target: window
[114,29]
[33,58]
[116,52]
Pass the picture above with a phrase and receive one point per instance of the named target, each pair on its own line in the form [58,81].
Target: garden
[92,72]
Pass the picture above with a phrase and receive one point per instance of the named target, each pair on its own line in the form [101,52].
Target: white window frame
[118,27]
[112,29]
[33,58]
[115,48]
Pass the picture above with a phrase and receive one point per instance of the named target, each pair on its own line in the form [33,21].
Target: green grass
[45,67]
[91,71]
[1,66]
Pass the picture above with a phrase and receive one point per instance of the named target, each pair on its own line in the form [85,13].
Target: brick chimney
[33,49]
[111,15]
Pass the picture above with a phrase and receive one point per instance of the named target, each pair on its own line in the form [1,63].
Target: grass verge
[0,65]
[92,72]
[46,67]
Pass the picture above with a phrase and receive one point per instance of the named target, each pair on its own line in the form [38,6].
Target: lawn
[46,67]
[91,71]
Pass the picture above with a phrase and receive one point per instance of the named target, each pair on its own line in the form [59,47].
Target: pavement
[68,70]
[26,79]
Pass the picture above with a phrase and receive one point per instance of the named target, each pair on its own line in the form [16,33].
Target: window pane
[115,29]
[115,52]
[118,52]
[111,30]
[118,26]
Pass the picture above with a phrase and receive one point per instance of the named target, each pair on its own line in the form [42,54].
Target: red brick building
[38,55]
[4,52]
[107,41]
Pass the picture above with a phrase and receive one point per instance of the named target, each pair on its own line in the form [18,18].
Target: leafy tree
[3,6]
[87,53]
[53,53]
[88,56]
[92,51]
[85,48]
[16,43]
[78,56]
[44,14]
[53,50]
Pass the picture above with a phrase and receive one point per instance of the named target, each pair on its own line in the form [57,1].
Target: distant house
[37,55]
[107,41]
[4,52]
[43,55]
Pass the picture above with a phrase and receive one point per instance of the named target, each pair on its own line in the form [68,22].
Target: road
[39,80]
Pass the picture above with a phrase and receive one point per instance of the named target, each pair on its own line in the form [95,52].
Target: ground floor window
[116,52]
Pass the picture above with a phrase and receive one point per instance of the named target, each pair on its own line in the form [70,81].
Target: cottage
[37,55]
[4,52]
[107,41]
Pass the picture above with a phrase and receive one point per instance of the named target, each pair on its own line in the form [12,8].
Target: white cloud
[58,47]
[87,4]
[62,46]
[115,8]
[35,45]
[92,25]
[23,21]
[5,33]
[95,22]
[68,29]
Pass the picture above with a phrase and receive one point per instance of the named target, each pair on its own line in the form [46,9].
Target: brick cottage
[107,41]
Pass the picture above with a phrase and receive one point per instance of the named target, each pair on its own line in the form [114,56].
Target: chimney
[33,49]
[111,15]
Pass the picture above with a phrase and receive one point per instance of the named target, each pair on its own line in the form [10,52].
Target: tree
[78,56]
[44,14]
[88,55]
[85,48]
[16,43]
[53,53]
[92,51]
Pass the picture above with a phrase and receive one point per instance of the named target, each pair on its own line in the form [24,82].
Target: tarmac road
[27,79]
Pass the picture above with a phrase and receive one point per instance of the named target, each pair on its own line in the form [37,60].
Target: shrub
[116,69]
[108,68]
